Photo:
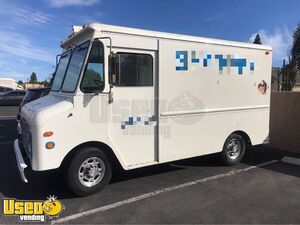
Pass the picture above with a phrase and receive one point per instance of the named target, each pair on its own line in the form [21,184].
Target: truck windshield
[60,71]
[67,73]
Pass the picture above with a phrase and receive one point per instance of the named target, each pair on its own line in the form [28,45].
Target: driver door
[133,111]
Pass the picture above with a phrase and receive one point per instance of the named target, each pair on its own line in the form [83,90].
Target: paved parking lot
[261,189]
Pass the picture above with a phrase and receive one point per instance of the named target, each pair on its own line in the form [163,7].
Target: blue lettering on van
[206,60]
[239,63]
[252,66]
[182,58]
[194,59]
[223,61]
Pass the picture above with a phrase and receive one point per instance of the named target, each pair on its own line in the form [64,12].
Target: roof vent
[76,28]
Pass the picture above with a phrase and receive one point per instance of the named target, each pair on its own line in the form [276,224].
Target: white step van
[138,98]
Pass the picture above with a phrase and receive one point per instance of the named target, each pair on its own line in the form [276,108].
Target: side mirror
[112,69]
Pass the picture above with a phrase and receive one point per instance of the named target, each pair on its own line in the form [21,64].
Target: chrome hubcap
[91,171]
[234,149]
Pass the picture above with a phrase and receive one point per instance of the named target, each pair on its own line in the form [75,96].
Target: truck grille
[26,137]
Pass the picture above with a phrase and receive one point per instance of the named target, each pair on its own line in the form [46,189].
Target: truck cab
[75,114]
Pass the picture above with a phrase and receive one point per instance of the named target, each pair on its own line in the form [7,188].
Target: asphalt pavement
[261,189]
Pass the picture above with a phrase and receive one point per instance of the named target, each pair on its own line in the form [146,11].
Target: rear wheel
[233,149]
[88,172]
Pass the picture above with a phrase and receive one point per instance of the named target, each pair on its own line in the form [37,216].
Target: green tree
[289,72]
[45,83]
[33,78]
[295,50]
[257,40]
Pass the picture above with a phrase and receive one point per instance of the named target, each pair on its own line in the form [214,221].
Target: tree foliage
[257,40]
[45,83]
[295,50]
[289,72]
[33,78]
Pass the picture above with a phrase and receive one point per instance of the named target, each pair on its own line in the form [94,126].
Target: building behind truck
[138,98]
[8,84]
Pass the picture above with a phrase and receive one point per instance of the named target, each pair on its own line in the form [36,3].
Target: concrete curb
[291,160]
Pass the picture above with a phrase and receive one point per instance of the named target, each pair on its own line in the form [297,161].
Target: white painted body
[195,110]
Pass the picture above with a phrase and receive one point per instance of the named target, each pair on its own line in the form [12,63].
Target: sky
[31,31]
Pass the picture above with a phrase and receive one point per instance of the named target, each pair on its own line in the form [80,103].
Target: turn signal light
[50,145]
[48,134]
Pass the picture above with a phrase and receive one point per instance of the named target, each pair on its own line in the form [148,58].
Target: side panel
[207,92]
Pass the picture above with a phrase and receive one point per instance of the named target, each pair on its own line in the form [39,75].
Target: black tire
[76,166]
[233,149]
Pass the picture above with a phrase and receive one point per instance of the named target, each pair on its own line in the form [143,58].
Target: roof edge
[158,34]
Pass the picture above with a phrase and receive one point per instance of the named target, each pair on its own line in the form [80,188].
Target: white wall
[10,83]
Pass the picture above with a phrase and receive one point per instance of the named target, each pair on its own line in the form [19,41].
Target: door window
[134,69]
[93,78]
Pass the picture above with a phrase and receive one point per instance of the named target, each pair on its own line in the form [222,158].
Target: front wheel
[233,149]
[88,172]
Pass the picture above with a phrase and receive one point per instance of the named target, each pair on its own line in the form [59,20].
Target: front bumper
[20,161]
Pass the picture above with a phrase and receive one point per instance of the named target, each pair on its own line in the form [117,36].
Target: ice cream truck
[135,98]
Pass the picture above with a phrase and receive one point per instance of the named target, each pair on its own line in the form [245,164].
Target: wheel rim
[91,171]
[233,149]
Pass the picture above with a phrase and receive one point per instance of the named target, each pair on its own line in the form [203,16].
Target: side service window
[134,69]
